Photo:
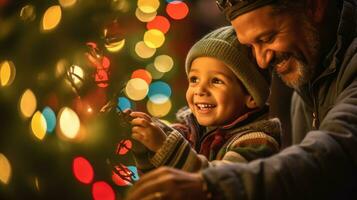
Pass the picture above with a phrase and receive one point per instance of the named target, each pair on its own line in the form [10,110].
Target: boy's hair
[223,45]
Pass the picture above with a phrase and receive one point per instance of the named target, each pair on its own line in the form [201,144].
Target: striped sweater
[191,147]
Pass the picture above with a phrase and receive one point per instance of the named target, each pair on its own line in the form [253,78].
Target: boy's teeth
[201,105]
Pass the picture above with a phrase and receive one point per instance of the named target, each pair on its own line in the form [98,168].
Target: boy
[227,115]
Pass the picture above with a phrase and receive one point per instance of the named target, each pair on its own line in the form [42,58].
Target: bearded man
[312,46]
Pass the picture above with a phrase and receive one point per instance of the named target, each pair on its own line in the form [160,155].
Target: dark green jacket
[322,163]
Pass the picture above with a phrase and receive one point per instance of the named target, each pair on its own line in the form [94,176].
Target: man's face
[214,95]
[289,43]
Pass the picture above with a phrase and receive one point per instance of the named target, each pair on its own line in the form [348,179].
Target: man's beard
[303,71]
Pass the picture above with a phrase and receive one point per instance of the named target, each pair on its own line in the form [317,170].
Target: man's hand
[169,184]
[146,131]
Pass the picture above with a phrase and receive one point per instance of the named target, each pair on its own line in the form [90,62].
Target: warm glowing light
[5,169]
[51,18]
[102,191]
[90,110]
[69,123]
[7,73]
[61,67]
[154,38]
[121,5]
[163,63]
[77,74]
[28,103]
[28,13]
[144,17]
[159,110]
[37,184]
[115,46]
[177,10]
[143,74]
[67,3]
[153,71]
[50,117]
[38,125]
[136,89]
[83,170]
[160,22]
[148,6]
[143,51]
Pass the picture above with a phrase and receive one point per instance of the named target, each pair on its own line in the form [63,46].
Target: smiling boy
[227,118]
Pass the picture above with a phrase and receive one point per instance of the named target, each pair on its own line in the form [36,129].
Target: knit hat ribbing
[239,7]
[223,45]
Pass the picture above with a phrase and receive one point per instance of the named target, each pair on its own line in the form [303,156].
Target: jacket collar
[346,31]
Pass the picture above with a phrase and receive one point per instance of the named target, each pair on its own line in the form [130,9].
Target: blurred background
[61,61]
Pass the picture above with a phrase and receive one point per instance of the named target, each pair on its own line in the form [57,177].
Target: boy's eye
[217,81]
[193,79]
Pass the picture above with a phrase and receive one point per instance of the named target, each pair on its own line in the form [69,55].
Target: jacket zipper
[315,116]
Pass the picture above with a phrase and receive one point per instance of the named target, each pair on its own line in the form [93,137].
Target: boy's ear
[250,103]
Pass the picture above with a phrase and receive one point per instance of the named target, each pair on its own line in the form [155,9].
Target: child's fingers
[137,136]
[140,122]
[127,111]
[141,115]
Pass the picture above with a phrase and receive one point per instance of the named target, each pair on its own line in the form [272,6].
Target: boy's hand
[146,132]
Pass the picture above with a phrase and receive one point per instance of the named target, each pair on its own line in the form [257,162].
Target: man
[312,46]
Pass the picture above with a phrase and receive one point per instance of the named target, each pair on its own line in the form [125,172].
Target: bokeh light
[76,74]
[38,125]
[83,170]
[123,147]
[51,18]
[144,17]
[5,169]
[67,3]
[177,10]
[50,117]
[143,74]
[159,92]
[136,89]
[148,6]
[163,63]
[134,170]
[28,13]
[102,191]
[159,110]
[7,73]
[69,123]
[124,103]
[143,51]
[120,5]
[159,22]
[115,46]
[28,103]
[154,38]
[125,171]
[153,71]
[37,184]
[61,67]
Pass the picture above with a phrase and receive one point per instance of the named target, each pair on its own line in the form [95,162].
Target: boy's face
[214,95]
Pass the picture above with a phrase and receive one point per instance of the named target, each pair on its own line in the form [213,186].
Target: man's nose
[263,56]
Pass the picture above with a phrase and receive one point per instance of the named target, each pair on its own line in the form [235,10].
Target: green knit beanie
[222,44]
[234,8]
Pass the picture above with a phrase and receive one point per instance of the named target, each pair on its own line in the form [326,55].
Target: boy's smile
[214,95]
